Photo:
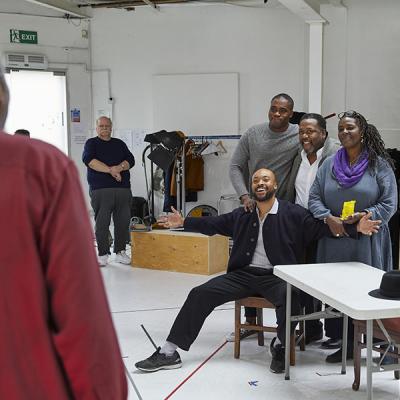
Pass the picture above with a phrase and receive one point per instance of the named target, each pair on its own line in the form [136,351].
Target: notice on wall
[104,113]
[75,115]
[125,135]
[138,135]
[134,138]
[79,132]
[79,139]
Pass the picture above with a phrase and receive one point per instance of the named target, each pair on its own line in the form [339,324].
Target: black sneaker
[159,361]
[336,357]
[332,344]
[278,357]
[313,337]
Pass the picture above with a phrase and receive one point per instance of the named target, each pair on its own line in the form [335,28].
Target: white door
[38,104]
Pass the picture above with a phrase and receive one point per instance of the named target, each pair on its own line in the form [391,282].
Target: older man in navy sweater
[108,161]
[275,232]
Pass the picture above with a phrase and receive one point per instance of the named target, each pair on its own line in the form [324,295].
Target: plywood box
[178,251]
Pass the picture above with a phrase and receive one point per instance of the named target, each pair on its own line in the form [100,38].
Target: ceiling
[82,8]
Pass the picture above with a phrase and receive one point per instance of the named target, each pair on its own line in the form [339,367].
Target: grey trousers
[115,202]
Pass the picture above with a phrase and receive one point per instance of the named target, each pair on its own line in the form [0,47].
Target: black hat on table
[390,287]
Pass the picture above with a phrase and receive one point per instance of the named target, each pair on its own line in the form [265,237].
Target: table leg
[369,359]
[344,343]
[287,333]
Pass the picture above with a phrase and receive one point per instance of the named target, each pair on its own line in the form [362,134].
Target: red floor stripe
[192,373]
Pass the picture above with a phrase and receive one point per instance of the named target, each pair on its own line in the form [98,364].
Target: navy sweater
[111,152]
[286,234]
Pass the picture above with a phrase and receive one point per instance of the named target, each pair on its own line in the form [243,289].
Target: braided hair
[372,141]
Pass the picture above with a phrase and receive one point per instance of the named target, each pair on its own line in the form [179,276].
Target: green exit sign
[18,36]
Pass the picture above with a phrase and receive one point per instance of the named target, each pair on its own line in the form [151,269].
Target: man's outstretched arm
[222,224]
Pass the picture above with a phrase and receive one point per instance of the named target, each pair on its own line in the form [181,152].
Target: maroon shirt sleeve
[80,320]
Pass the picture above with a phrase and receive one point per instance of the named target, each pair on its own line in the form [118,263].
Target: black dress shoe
[336,357]
[313,337]
[332,344]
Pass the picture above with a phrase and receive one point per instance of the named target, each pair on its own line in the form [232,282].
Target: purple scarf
[347,175]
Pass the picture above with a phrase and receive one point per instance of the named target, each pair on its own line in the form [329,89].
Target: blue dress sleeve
[386,204]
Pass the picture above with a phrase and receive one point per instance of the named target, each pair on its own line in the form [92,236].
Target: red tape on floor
[192,373]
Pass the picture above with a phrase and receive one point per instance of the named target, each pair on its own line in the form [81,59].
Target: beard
[265,197]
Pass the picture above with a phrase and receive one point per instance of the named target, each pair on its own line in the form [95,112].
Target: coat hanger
[221,147]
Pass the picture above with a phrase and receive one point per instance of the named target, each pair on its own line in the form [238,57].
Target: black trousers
[310,304]
[334,330]
[247,281]
[115,202]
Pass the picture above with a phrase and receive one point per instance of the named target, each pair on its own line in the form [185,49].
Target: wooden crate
[180,251]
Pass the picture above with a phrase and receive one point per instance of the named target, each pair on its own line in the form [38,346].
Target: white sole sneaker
[174,366]
[122,258]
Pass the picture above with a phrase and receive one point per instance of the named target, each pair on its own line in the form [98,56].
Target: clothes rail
[214,137]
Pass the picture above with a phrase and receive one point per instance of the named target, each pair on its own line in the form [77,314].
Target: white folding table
[344,286]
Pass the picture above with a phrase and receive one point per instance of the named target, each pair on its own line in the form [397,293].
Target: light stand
[149,192]
[164,150]
[180,181]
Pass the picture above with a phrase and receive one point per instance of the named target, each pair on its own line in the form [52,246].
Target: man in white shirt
[315,148]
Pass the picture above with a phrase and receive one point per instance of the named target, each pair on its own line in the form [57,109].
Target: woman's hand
[367,226]
[174,220]
[354,218]
[336,226]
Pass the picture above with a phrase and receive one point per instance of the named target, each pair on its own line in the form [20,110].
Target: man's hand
[352,219]
[115,172]
[247,202]
[336,226]
[367,226]
[174,220]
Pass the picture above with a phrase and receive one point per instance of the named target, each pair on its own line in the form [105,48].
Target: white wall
[362,63]
[265,46]
[54,35]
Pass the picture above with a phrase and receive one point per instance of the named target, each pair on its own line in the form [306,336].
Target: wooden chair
[259,303]
[392,326]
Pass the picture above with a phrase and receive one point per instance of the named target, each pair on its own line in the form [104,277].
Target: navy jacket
[286,234]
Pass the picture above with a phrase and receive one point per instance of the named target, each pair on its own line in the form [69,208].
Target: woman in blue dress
[359,178]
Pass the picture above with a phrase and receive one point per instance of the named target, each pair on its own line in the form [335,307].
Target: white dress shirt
[305,178]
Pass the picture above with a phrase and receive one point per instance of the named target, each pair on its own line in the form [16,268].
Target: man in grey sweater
[273,144]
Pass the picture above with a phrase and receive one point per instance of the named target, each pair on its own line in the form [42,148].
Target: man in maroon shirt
[56,333]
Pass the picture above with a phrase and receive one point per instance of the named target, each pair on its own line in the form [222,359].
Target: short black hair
[24,132]
[286,97]
[262,165]
[318,117]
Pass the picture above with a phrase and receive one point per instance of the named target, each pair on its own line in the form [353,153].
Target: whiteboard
[196,104]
